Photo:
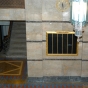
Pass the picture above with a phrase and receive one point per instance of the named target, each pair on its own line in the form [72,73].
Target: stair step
[19,28]
[16,22]
[18,45]
[18,25]
[16,52]
[18,42]
[19,31]
[18,39]
[16,48]
[16,57]
[20,54]
[18,35]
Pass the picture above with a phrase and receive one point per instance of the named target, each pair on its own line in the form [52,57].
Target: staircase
[17,48]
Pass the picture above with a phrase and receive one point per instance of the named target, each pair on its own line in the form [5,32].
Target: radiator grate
[61,43]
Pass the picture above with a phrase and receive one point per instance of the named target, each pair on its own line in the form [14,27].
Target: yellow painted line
[21,68]
[12,64]
[9,71]
[17,67]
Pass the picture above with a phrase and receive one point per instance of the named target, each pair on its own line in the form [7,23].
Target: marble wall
[12,14]
[42,16]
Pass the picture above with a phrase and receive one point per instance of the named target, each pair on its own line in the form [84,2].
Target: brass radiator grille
[61,43]
[12,4]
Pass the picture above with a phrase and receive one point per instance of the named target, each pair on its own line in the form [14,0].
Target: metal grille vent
[12,4]
[61,43]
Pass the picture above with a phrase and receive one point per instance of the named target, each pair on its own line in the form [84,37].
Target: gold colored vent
[12,4]
[61,43]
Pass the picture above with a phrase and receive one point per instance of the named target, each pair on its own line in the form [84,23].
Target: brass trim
[57,43]
[58,5]
[52,43]
[21,68]
[62,43]
[59,32]
[72,44]
[46,44]
[67,43]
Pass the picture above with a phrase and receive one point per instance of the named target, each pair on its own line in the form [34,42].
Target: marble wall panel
[84,69]
[33,10]
[34,50]
[85,51]
[35,69]
[71,68]
[50,12]
[50,27]
[85,33]
[52,68]
[34,31]
[61,68]
[4,14]
[67,27]
[12,14]
[17,14]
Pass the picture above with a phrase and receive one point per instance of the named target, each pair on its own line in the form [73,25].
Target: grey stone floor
[67,79]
